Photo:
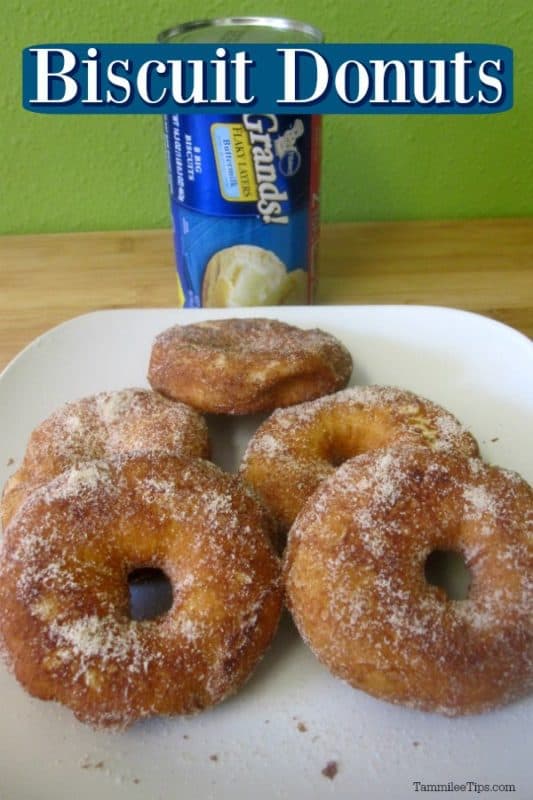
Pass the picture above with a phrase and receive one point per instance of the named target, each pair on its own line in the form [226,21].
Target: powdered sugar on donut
[64,593]
[241,366]
[92,637]
[101,425]
[297,447]
[355,579]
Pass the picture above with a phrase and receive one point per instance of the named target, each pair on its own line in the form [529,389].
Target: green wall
[61,173]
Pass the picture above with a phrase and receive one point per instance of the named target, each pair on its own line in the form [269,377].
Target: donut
[97,426]
[355,579]
[65,626]
[296,448]
[244,366]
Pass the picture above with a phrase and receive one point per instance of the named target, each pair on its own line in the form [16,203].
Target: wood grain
[479,265]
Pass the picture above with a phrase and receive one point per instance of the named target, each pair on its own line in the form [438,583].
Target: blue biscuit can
[244,189]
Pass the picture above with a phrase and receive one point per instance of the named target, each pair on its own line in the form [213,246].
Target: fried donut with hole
[355,580]
[244,366]
[64,599]
[296,448]
[98,426]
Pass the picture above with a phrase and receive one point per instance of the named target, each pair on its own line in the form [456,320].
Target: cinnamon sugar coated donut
[64,620]
[355,579]
[296,448]
[98,426]
[243,366]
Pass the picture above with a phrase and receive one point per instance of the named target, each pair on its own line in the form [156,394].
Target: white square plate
[274,738]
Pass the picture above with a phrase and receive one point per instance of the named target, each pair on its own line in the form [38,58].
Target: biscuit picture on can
[247,275]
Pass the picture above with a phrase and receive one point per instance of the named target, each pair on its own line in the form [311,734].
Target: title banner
[291,79]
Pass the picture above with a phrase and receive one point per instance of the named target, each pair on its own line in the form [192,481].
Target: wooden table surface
[479,265]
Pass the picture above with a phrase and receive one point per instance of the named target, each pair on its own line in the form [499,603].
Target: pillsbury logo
[286,150]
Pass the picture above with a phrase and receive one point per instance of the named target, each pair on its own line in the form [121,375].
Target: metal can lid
[256,30]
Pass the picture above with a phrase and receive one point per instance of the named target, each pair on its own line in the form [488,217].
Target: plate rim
[482,319]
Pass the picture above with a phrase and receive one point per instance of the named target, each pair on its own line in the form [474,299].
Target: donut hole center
[346,440]
[150,593]
[447,569]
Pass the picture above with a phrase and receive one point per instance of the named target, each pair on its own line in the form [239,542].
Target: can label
[244,200]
